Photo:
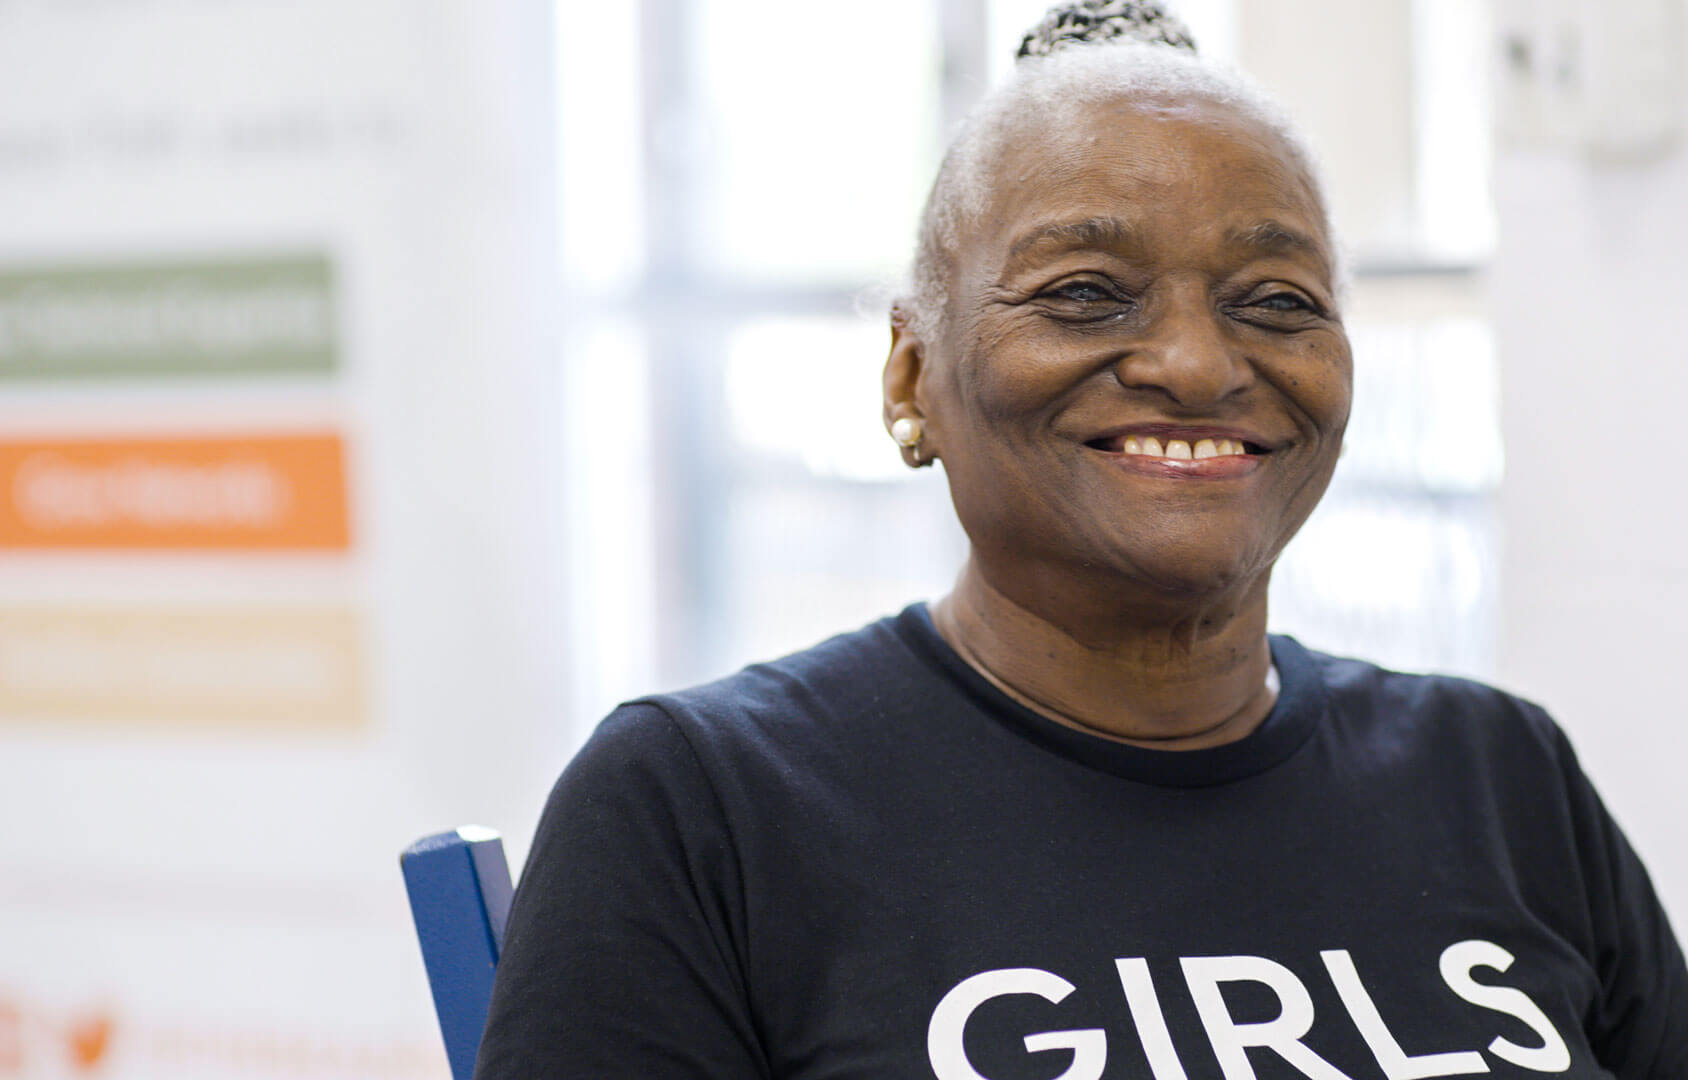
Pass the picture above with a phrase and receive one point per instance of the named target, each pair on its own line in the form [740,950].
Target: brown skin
[1117,599]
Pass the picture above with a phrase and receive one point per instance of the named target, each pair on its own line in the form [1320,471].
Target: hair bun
[1084,22]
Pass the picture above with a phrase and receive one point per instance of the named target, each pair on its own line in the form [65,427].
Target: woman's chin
[1194,575]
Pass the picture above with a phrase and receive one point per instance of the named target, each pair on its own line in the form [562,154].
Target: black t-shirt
[866,861]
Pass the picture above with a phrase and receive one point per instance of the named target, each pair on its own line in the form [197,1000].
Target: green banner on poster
[229,316]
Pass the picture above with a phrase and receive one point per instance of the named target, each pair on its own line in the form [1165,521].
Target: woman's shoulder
[843,687]
[1449,709]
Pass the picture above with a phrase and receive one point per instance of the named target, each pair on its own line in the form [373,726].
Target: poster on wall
[270,526]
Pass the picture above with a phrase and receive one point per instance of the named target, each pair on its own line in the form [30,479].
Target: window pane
[1398,563]
[805,559]
[1405,583]
[1454,144]
[819,136]
[822,373]
[601,206]
[1426,407]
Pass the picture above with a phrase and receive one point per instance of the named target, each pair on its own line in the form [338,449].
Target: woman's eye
[1284,302]
[1081,292]
[1085,302]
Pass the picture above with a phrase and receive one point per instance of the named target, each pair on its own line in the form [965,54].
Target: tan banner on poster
[258,492]
[270,669]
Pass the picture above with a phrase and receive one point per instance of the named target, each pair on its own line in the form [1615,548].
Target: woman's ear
[904,415]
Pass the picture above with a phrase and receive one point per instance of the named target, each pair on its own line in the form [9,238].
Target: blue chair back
[459,886]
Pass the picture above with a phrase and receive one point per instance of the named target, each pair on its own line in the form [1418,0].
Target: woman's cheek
[1324,382]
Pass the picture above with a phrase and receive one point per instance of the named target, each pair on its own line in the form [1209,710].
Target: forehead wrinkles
[1129,152]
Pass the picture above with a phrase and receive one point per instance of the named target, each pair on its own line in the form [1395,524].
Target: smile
[1185,455]
[1181,450]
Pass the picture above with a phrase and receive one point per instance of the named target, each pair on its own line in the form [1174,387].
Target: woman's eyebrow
[1275,238]
[1093,232]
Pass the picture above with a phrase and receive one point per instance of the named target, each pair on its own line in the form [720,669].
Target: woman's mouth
[1191,457]
[1183,449]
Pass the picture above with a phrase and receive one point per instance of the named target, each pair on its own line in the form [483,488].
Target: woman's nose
[1187,354]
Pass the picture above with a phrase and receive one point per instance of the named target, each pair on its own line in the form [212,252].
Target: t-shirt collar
[1299,709]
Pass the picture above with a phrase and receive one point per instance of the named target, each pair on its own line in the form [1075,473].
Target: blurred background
[389,387]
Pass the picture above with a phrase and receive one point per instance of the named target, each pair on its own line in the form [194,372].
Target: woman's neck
[1185,683]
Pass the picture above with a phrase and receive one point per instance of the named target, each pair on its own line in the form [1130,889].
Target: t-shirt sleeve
[1639,1028]
[623,953]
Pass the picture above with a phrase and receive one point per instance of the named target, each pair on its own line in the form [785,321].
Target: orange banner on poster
[281,492]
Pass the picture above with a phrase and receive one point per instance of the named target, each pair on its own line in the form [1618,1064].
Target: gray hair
[1046,90]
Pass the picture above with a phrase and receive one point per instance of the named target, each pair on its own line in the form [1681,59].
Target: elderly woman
[1082,817]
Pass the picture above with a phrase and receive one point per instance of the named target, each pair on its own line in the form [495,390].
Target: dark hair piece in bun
[1085,22]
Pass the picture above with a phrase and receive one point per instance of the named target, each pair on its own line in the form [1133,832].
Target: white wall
[1588,300]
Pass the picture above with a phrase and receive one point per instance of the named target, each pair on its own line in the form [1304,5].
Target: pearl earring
[906,431]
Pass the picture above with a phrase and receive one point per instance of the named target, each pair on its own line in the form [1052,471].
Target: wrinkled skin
[1155,267]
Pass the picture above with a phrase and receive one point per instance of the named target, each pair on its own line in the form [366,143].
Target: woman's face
[1145,288]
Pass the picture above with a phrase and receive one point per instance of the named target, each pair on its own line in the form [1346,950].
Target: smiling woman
[1168,286]
[900,853]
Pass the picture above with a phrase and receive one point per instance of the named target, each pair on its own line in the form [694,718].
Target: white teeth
[1181,450]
